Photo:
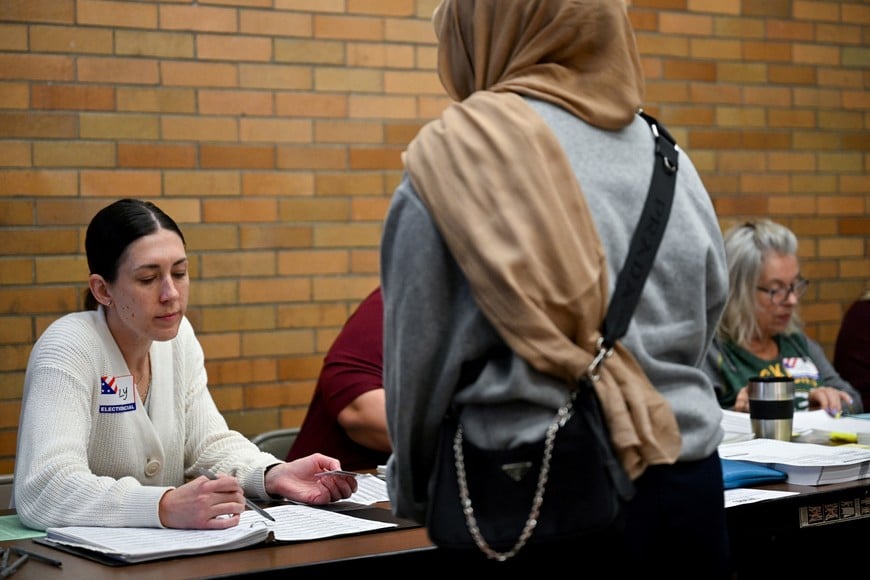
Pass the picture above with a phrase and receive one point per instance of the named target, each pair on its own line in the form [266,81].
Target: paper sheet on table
[735,423]
[742,495]
[299,522]
[370,489]
[801,454]
[293,523]
[821,421]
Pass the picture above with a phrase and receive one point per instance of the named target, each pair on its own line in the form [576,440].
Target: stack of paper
[805,463]
[838,428]
[738,427]
[292,523]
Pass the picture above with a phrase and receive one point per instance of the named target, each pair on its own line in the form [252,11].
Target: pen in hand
[210,474]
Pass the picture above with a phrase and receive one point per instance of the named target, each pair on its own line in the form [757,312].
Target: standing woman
[760,331]
[117,420]
[500,252]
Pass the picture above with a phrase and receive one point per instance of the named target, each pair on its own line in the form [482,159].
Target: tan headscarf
[522,232]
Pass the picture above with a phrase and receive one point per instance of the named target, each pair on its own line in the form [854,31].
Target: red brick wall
[272,131]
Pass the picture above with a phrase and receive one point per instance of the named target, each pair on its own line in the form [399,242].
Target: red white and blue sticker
[117,394]
[800,368]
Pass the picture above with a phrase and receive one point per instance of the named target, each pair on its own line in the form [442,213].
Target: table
[787,534]
[772,531]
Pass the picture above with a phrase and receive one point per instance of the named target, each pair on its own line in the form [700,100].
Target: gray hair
[746,246]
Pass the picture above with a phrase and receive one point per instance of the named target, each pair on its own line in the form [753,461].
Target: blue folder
[737,473]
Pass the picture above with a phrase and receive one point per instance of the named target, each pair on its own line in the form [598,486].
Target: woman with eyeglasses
[760,331]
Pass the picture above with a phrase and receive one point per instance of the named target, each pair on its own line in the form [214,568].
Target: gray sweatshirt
[440,349]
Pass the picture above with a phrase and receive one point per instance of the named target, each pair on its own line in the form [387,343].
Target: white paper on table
[742,495]
[294,522]
[791,453]
[369,490]
[302,522]
[143,544]
[735,423]
[821,421]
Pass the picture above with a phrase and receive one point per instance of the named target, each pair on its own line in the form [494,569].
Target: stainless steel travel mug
[771,407]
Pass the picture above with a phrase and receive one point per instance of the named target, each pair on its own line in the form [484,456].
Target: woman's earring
[109,302]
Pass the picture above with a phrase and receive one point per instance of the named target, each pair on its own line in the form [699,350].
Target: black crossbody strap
[644,242]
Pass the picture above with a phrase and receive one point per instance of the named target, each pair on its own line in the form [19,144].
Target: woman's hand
[203,504]
[296,480]
[830,399]
[741,404]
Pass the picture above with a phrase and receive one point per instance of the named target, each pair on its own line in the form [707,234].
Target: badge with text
[800,368]
[117,394]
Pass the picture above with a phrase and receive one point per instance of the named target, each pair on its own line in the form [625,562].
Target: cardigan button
[152,467]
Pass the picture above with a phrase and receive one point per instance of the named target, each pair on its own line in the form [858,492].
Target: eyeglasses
[780,294]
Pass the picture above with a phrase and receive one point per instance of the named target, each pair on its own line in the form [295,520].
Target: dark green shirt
[739,365]
[730,367]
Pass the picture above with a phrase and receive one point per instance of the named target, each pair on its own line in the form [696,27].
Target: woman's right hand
[203,504]
[741,404]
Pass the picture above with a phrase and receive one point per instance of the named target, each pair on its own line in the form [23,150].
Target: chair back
[277,442]
[5,490]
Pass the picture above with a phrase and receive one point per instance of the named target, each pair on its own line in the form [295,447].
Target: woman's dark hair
[113,229]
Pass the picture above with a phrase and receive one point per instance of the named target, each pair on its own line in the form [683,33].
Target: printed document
[298,522]
[744,495]
[293,522]
[369,490]
[805,463]
[738,426]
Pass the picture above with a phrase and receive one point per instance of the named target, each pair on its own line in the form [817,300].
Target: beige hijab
[522,232]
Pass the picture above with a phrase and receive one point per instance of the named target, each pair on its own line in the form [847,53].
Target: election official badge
[117,394]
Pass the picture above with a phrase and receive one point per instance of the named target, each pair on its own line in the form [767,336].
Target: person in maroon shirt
[346,418]
[852,350]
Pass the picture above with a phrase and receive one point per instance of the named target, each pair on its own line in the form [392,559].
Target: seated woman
[117,422]
[760,333]
[347,416]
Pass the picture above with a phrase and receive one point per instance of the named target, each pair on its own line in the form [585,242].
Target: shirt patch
[117,394]
[800,368]
[806,377]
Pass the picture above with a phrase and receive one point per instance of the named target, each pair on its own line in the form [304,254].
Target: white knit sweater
[86,458]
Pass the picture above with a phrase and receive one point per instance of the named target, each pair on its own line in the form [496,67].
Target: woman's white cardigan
[90,454]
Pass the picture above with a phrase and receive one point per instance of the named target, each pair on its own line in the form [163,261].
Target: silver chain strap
[562,415]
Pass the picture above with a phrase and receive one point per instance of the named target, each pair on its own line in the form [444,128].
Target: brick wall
[272,131]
